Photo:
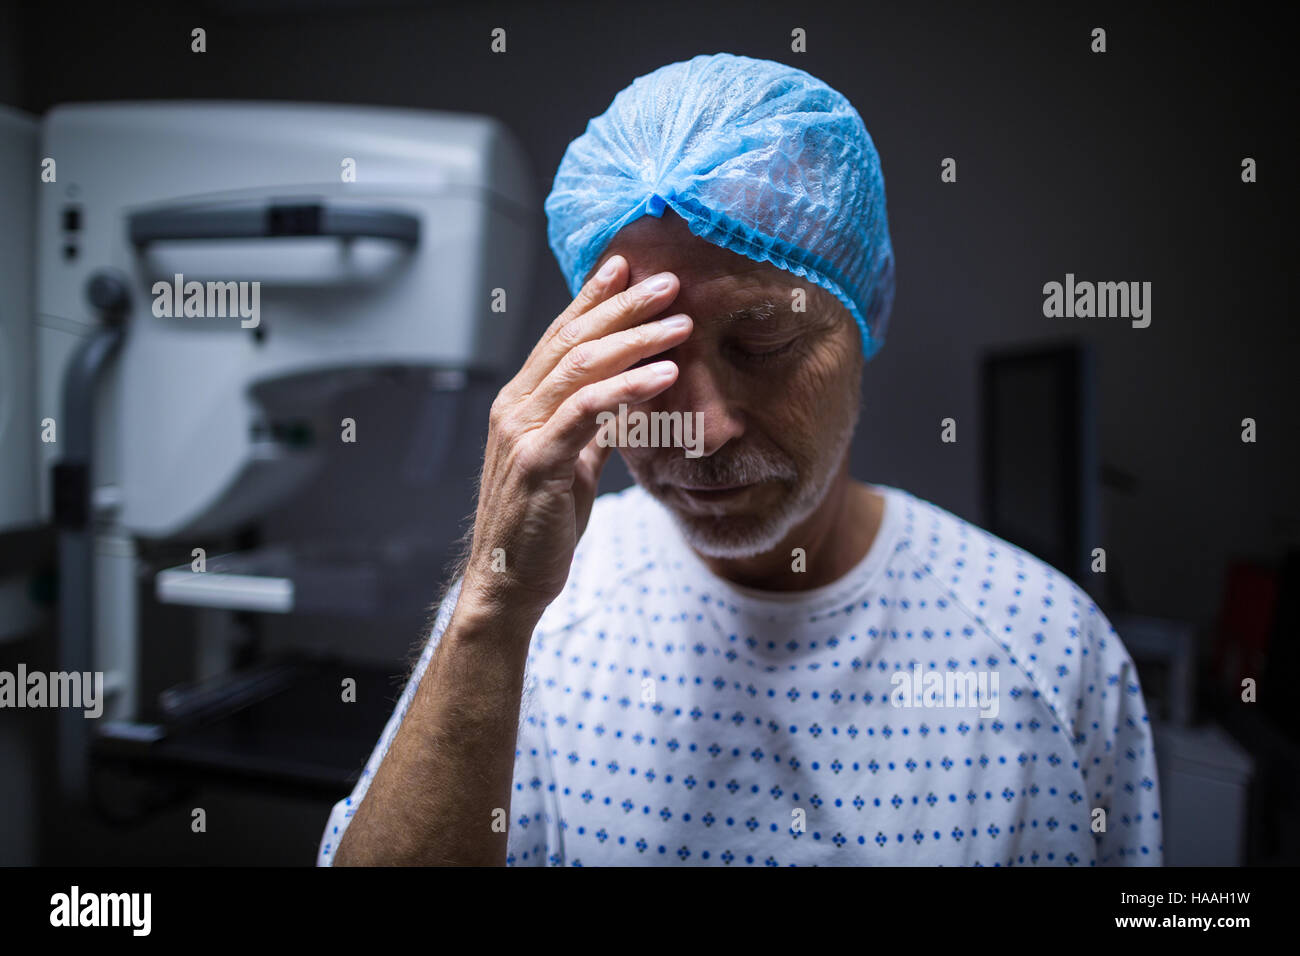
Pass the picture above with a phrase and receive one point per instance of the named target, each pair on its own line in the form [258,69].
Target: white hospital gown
[671,717]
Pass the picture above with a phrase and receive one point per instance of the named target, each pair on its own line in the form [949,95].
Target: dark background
[1122,166]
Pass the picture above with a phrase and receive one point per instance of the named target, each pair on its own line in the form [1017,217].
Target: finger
[610,279]
[605,357]
[575,423]
[591,461]
[620,311]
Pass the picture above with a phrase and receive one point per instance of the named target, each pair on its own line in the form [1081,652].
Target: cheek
[634,457]
[810,404]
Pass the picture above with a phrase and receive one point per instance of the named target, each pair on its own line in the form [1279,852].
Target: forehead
[653,245]
[716,283]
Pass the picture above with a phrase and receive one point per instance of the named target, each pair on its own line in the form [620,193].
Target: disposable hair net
[757,157]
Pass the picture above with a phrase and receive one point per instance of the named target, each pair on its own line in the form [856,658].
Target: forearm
[446,776]
[435,795]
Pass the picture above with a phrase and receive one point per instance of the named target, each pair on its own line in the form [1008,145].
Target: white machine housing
[176,450]
[184,443]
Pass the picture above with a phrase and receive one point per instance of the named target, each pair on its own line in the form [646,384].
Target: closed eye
[761,352]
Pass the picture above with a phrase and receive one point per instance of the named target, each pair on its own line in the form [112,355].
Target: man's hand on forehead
[543,460]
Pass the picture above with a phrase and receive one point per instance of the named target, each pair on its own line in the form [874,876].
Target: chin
[734,536]
[724,539]
[746,528]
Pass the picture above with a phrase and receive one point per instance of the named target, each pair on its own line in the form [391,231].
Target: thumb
[591,462]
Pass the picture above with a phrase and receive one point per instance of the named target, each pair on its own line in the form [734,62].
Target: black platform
[284,725]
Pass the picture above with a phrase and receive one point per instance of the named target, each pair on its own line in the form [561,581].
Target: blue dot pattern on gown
[670,717]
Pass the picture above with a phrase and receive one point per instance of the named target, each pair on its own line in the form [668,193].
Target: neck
[836,536]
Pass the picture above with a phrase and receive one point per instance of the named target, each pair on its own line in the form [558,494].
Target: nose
[702,387]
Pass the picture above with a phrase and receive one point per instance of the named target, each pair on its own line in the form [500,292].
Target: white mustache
[741,468]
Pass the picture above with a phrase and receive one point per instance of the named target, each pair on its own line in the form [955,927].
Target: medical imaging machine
[307,247]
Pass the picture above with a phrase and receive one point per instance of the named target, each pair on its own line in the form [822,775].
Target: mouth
[711,494]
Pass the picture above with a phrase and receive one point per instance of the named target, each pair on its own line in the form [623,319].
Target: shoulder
[1046,625]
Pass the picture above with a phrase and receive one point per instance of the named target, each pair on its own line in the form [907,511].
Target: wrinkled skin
[779,397]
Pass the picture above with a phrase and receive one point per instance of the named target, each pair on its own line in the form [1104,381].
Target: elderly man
[747,658]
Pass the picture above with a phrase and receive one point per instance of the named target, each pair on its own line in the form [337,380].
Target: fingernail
[608,269]
[659,283]
[675,323]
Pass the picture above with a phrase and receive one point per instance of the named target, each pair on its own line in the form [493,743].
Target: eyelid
[765,336]
[770,352]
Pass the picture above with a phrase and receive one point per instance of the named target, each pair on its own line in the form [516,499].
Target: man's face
[778,391]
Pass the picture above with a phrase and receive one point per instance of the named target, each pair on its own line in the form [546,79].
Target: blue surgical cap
[757,157]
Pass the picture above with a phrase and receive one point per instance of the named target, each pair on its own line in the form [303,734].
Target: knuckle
[564,318]
[570,333]
[585,401]
[503,422]
[580,358]
[626,301]
[525,457]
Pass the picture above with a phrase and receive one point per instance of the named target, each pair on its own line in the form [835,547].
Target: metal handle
[272,220]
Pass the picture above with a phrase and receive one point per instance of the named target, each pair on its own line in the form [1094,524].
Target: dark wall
[1116,166]
[1122,166]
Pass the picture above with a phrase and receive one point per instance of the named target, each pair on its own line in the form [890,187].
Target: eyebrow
[759,310]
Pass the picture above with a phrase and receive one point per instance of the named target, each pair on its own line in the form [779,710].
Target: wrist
[487,609]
